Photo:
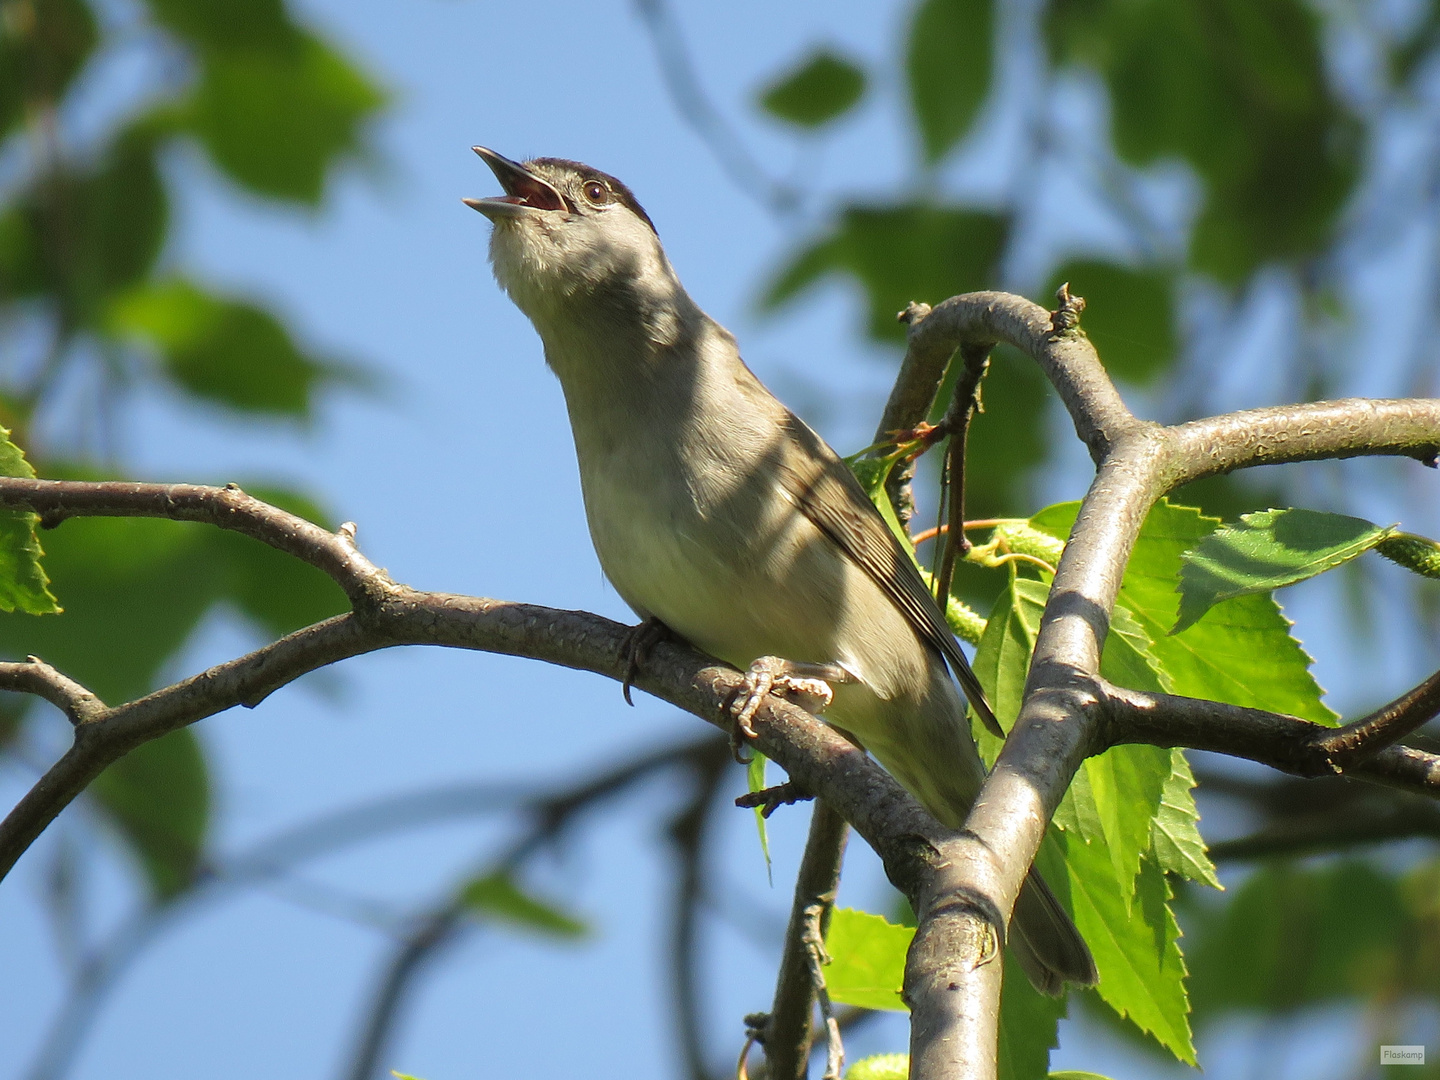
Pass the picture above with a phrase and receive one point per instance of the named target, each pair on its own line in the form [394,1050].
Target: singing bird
[717,512]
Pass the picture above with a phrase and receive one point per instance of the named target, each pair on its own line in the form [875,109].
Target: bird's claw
[806,685]
[635,649]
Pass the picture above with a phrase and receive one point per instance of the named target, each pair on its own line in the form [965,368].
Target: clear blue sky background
[461,477]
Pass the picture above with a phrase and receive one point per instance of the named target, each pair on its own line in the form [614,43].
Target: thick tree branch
[1059,722]
[988,318]
[1287,743]
[1350,427]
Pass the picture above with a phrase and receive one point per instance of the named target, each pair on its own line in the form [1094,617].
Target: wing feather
[827,493]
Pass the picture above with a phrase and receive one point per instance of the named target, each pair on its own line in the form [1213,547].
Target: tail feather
[1045,941]
[925,743]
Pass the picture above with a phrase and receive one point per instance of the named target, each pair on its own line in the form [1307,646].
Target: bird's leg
[808,685]
[635,649]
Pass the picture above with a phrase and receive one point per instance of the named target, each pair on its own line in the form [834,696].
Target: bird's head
[564,230]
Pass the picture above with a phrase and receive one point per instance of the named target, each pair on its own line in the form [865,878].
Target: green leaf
[44,44]
[913,251]
[1002,659]
[277,119]
[1115,795]
[222,24]
[1135,944]
[1129,315]
[948,61]
[1175,834]
[1240,91]
[867,959]
[880,1067]
[1243,655]
[158,796]
[23,584]
[1029,1026]
[1268,550]
[224,350]
[755,778]
[1071,1074]
[134,590]
[496,896]
[815,92]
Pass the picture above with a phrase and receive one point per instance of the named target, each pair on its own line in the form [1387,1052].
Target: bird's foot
[806,685]
[635,650]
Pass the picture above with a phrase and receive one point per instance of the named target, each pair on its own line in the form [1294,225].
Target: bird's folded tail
[1045,941]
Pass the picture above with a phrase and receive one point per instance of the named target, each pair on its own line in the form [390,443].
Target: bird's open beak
[525,193]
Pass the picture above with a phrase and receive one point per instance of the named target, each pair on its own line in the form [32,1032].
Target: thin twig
[39,678]
[770,799]
[976,361]
[787,1033]
[815,957]
[1360,741]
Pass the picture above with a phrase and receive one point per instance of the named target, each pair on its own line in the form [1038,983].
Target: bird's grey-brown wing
[829,495]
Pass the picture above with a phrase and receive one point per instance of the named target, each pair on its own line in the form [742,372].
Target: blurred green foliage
[823,88]
[277,111]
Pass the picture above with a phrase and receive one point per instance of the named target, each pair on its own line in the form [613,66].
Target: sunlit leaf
[755,778]
[23,584]
[867,959]
[1116,794]
[948,62]
[880,1067]
[824,87]
[1242,655]
[1175,833]
[1135,945]
[1265,551]
[497,896]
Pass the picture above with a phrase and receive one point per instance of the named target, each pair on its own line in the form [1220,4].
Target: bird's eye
[596,193]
